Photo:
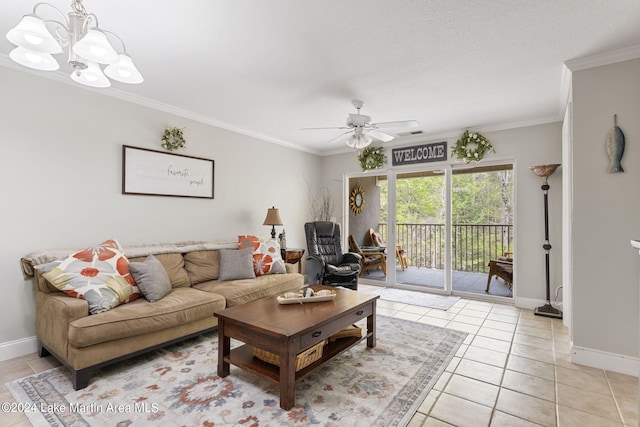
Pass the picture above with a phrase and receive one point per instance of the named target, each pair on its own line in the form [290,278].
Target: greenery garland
[173,138]
[372,158]
[471,147]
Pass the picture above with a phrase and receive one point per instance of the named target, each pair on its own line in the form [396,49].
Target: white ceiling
[270,68]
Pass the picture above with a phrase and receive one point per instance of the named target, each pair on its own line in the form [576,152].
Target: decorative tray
[300,298]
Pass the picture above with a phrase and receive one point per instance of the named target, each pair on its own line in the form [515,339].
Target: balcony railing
[472,245]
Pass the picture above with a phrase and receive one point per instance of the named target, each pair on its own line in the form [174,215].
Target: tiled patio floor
[474,283]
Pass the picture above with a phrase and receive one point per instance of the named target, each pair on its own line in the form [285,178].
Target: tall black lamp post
[545,171]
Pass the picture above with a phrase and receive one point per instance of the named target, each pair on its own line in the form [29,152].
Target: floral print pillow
[98,274]
[266,255]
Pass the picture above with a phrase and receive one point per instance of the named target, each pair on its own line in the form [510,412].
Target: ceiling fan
[362,131]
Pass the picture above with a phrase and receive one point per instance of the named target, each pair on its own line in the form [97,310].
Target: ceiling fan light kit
[359,141]
[37,39]
[362,132]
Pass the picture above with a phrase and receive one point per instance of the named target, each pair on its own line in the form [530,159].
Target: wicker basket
[351,331]
[303,359]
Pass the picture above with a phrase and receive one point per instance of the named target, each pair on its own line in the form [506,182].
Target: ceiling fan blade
[333,127]
[339,137]
[379,135]
[400,124]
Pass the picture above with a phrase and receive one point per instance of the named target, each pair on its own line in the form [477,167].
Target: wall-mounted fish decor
[615,146]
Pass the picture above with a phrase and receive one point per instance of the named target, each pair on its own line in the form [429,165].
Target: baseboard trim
[603,360]
[531,303]
[17,348]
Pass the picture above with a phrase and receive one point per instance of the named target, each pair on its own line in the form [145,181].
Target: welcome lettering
[434,152]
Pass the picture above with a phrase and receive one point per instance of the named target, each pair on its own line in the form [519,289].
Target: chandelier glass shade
[91,76]
[37,39]
[33,59]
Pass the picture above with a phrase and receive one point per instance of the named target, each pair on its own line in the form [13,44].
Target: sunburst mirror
[356,200]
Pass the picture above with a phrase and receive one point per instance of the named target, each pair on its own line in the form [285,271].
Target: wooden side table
[292,256]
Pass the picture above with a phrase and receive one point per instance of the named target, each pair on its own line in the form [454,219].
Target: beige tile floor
[512,370]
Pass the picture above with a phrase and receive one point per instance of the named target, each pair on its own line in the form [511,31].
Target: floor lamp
[545,171]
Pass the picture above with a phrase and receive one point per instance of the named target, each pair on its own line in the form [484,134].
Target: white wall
[528,146]
[60,174]
[606,210]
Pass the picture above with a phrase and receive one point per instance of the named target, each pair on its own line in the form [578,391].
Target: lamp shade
[32,34]
[544,171]
[273,217]
[91,76]
[124,71]
[95,47]
[32,59]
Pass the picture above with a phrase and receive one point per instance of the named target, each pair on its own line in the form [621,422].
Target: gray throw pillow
[236,264]
[278,267]
[151,277]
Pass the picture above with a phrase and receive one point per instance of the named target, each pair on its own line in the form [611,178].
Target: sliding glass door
[440,228]
[420,220]
[482,229]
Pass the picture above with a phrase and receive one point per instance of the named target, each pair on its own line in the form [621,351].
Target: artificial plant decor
[471,147]
[372,158]
[173,138]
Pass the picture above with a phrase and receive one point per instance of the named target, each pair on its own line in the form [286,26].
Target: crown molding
[61,77]
[605,58]
[454,134]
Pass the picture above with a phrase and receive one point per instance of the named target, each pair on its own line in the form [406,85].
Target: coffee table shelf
[243,358]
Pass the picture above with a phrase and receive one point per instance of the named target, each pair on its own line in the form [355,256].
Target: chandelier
[37,39]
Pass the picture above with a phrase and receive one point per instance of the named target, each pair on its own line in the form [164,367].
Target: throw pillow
[98,274]
[266,255]
[151,277]
[377,239]
[202,266]
[236,264]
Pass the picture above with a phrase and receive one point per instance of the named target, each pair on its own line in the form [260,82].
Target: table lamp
[273,219]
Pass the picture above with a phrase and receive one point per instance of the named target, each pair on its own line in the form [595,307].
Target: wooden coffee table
[289,329]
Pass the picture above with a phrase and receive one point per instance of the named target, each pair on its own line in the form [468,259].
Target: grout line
[615,400]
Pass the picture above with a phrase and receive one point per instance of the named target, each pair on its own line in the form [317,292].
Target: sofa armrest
[54,314]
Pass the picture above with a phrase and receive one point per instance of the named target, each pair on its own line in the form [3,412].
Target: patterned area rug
[178,386]
[440,302]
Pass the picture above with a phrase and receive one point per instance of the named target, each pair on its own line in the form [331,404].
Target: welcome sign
[426,153]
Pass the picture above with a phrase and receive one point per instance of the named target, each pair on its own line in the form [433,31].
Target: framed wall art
[157,173]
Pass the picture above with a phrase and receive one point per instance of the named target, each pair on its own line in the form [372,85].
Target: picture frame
[157,173]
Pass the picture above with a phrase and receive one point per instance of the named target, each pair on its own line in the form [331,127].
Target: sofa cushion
[236,264]
[202,265]
[151,277]
[266,255]
[173,264]
[180,306]
[243,291]
[98,274]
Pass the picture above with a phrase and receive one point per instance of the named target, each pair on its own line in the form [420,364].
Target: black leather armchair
[326,264]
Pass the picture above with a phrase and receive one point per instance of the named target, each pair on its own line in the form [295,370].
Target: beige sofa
[84,343]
